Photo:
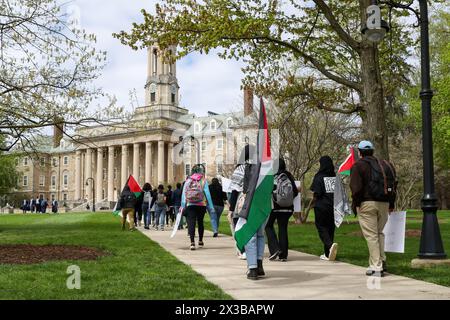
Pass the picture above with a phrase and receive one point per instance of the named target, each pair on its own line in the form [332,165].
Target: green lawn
[137,268]
[353,248]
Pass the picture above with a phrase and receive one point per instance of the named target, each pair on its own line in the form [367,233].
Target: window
[65,196]
[25,181]
[53,181]
[116,152]
[212,125]
[66,160]
[197,127]
[104,174]
[219,143]
[220,168]
[115,173]
[41,181]
[203,145]
[54,162]
[229,123]
[152,96]
[25,161]
[155,61]
[65,180]
[42,162]
[172,97]
[188,169]
[103,193]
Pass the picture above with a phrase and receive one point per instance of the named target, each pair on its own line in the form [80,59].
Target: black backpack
[382,180]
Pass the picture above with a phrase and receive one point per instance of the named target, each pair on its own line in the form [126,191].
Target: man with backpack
[160,208]
[373,183]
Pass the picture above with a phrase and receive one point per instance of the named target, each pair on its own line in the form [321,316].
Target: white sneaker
[333,252]
[243,256]
[324,257]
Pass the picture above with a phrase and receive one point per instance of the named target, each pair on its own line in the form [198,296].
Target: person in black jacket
[218,198]
[127,202]
[323,189]
[146,201]
[176,203]
[138,210]
[278,247]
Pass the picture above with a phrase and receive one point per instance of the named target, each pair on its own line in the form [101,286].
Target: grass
[137,268]
[353,247]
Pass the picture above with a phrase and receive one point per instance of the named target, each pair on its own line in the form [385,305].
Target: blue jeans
[160,215]
[254,249]
[215,218]
[146,211]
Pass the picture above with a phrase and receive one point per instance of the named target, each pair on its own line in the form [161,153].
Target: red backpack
[194,190]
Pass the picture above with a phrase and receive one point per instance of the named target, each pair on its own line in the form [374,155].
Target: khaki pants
[373,216]
[130,213]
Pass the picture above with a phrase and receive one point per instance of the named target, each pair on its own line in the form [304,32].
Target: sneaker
[201,244]
[378,274]
[192,246]
[275,255]
[215,235]
[252,274]
[333,252]
[243,256]
[147,228]
[324,257]
[283,259]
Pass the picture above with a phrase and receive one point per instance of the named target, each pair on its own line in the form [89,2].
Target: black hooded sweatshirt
[323,184]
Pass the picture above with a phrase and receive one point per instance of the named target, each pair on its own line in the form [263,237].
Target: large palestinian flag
[258,201]
[134,187]
[346,166]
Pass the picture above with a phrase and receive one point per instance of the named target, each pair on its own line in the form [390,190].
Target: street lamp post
[431,246]
[93,192]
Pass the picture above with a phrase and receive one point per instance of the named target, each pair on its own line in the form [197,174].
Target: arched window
[213,124]
[155,61]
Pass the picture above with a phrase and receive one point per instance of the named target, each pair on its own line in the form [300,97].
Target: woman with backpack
[160,208]
[323,189]
[146,202]
[194,200]
[284,193]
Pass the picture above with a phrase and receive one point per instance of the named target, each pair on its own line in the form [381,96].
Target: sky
[207,83]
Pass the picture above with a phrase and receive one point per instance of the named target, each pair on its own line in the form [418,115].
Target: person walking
[218,198]
[176,203]
[195,198]
[38,205]
[138,210]
[323,189]
[44,205]
[24,206]
[128,203]
[160,208]
[283,202]
[32,205]
[55,206]
[169,215]
[146,201]
[373,184]
[152,221]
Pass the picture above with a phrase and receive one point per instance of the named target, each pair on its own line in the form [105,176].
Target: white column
[78,175]
[124,165]
[148,161]
[170,163]
[99,179]
[136,161]
[161,162]
[111,173]
[88,173]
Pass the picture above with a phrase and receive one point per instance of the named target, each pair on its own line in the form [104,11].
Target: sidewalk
[303,276]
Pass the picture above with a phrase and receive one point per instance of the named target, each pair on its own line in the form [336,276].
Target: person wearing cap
[372,213]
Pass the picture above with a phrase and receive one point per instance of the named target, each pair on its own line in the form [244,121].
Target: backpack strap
[384,175]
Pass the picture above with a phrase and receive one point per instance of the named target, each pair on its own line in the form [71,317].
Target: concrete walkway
[303,276]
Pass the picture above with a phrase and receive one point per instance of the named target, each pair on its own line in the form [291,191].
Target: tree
[47,66]
[322,35]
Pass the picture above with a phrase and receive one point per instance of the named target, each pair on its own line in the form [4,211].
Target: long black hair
[326,167]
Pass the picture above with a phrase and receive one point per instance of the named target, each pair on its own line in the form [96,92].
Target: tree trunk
[372,96]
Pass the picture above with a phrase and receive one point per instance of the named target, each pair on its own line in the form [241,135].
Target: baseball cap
[365,145]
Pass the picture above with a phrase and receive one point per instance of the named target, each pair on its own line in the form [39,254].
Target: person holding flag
[258,187]
[127,202]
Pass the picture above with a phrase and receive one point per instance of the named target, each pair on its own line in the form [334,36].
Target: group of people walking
[39,205]
[372,183]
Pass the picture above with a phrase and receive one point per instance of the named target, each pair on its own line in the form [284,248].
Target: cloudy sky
[207,83]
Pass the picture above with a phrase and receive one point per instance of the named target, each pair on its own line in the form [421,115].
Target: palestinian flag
[134,187]
[258,200]
[345,167]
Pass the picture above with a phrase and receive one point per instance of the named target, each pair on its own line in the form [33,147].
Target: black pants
[279,243]
[195,214]
[325,226]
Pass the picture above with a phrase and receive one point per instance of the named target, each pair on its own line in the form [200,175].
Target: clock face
[153,87]
[173,88]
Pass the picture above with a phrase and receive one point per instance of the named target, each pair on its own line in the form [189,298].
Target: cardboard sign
[394,232]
